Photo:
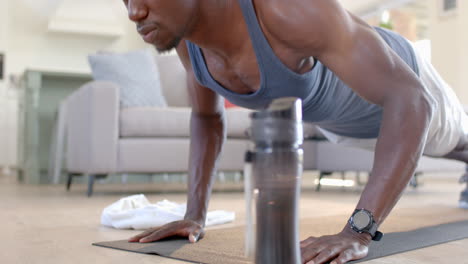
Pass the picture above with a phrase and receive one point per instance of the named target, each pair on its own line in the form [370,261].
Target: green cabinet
[38,105]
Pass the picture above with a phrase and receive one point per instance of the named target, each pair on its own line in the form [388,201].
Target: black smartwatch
[362,221]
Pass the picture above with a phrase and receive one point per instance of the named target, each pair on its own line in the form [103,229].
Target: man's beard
[172,45]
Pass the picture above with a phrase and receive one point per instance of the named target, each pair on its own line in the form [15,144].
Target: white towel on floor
[136,212]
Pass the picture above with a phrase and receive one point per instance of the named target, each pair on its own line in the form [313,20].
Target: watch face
[361,220]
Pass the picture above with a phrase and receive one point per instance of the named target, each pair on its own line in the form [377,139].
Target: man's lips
[147,32]
[149,37]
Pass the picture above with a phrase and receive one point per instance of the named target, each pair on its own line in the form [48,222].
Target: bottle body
[272,183]
[276,181]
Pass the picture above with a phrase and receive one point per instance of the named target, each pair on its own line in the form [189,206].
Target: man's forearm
[207,137]
[400,145]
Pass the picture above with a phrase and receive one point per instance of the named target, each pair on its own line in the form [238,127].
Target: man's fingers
[160,234]
[308,241]
[325,255]
[338,249]
[349,255]
[310,253]
[141,235]
[185,228]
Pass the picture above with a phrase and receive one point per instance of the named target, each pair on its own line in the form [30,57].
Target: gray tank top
[327,101]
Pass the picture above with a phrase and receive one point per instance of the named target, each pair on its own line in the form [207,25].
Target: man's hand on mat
[337,249]
[185,228]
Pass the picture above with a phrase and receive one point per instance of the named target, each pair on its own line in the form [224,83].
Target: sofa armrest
[92,128]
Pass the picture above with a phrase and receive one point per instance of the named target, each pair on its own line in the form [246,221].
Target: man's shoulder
[300,23]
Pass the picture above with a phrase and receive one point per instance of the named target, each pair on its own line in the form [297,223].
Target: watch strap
[378,236]
[375,234]
[373,229]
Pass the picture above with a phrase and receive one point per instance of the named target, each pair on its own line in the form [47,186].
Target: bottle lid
[280,124]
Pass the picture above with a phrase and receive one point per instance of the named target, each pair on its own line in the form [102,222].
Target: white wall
[449,42]
[33,47]
[25,39]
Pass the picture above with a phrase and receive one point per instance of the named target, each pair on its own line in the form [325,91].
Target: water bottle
[272,183]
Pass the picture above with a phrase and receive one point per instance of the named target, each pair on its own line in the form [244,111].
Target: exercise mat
[405,230]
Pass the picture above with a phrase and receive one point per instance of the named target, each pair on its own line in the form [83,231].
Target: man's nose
[136,10]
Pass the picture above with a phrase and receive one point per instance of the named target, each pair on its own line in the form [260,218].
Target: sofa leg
[414,182]
[69,181]
[91,179]
[322,175]
[70,177]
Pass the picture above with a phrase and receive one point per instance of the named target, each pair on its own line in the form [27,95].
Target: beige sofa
[104,139]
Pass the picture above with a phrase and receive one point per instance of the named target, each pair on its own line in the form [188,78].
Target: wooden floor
[46,224]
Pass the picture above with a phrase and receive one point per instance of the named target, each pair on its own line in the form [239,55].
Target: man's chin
[168,47]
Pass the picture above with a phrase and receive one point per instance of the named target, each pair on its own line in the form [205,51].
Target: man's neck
[219,27]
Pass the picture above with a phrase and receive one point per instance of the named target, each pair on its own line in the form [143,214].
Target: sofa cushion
[155,122]
[174,122]
[134,72]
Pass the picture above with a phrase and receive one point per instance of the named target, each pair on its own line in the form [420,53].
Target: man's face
[162,23]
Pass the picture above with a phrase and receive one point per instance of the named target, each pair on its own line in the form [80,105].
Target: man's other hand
[337,249]
[185,228]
